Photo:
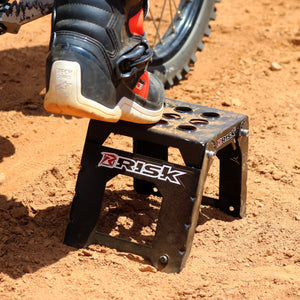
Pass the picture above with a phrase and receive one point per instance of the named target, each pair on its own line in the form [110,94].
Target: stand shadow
[208,213]
[32,239]
[6,148]
[29,239]
[132,216]
[22,80]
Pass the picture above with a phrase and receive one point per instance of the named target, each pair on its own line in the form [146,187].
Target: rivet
[164,259]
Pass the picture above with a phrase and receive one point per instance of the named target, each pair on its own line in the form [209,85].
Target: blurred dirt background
[250,65]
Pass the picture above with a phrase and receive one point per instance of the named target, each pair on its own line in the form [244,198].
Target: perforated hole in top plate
[200,122]
[183,109]
[171,116]
[162,122]
[210,114]
[187,128]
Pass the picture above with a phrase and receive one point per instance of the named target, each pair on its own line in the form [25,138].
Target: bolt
[244,132]
[164,259]
[211,154]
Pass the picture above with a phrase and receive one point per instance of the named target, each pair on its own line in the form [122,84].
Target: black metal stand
[201,134]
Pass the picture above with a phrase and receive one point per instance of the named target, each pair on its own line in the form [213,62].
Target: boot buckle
[133,61]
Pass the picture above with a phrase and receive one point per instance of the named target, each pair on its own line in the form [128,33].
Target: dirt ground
[250,65]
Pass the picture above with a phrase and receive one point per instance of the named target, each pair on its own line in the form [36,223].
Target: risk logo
[161,172]
[227,137]
[108,160]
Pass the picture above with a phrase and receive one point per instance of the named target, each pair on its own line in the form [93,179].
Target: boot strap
[133,61]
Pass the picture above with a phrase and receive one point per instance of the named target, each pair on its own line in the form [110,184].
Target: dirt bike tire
[172,58]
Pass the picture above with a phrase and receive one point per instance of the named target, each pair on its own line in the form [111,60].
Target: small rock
[51,193]
[269,252]
[236,102]
[85,252]
[205,283]
[295,41]
[130,256]
[147,268]
[202,294]
[16,135]
[188,292]
[28,269]
[226,103]
[297,218]
[198,229]
[43,92]
[289,254]
[277,174]
[48,276]
[275,66]
[56,173]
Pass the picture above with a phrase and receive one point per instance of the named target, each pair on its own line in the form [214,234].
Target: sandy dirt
[250,65]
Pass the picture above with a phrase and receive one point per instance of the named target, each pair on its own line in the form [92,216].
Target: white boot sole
[64,97]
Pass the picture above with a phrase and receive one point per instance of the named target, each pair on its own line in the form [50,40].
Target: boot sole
[64,97]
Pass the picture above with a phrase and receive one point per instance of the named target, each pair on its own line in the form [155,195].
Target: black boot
[97,66]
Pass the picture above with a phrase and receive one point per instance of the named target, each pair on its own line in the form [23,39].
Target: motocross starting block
[201,134]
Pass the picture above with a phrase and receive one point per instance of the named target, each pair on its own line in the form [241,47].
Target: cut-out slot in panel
[175,157]
[126,214]
[119,142]
[211,187]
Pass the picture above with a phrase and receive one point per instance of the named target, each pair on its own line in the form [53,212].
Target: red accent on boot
[142,86]
[136,23]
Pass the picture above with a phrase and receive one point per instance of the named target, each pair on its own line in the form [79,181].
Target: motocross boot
[97,65]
